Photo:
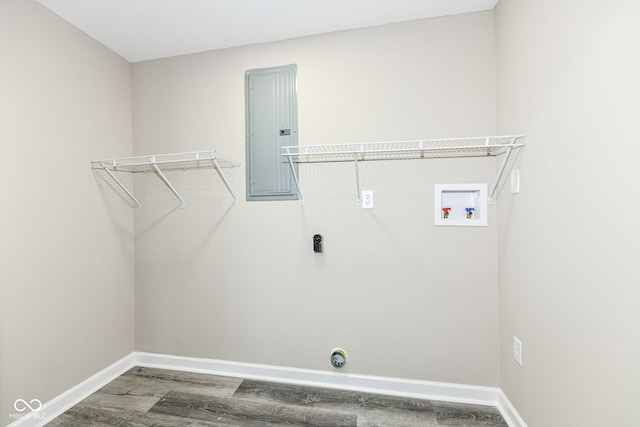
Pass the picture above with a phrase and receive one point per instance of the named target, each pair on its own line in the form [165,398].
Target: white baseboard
[447,392]
[56,406]
[508,411]
[372,384]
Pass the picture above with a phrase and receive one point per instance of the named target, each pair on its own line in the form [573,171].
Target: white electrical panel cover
[463,205]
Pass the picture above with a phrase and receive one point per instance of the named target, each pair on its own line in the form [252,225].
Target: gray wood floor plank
[210,385]
[385,418]
[244,412]
[128,384]
[458,414]
[92,417]
[371,409]
[324,397]
[120,402]
[162,398]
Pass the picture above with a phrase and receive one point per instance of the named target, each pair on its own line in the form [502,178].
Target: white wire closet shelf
[159,163]
[484,146]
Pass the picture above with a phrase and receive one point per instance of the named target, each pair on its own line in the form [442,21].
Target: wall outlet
[367,200]
[517,350]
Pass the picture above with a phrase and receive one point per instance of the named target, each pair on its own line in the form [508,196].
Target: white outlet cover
[515,181]
[517,350]
[367,199]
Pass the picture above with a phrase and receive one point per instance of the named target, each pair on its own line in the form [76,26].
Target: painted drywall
[66,242]
[567,76]
[241,283]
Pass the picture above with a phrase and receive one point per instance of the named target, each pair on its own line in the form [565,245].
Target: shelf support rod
[500,172]
[120,184]
[224,179]
[355,162]
[167,183]
[295,178]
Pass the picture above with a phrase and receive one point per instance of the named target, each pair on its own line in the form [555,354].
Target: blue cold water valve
[469,212]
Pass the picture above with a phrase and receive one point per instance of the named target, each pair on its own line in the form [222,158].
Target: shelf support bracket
[295,178]
[167,183]
[120,184]
[500,172]
[226,183]
[355,162]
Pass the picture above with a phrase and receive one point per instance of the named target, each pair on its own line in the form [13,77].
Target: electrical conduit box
[463,205]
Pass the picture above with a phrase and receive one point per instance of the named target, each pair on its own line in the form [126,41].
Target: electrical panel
[271,122]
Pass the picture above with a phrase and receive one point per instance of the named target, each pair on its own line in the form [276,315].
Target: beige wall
[241,283]
[66,241]
[567,76]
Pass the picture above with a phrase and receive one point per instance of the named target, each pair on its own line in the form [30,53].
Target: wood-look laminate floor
[161,398]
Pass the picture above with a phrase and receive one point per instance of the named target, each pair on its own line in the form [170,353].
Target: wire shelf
[398,150]
[484,146]
[177,161]
[160,163]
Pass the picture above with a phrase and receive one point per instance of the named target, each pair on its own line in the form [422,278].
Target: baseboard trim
[69,398]
[382,385]
[431,390]
[508,411]
[448,392]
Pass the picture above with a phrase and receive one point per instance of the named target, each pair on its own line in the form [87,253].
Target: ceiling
[140,30]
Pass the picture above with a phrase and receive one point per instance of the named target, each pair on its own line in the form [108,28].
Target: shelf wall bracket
[120,184]
[503,164]
[226,183]
[166,182]
[295,178]
[355,163]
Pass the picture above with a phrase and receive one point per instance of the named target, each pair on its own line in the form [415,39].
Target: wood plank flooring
[145,397]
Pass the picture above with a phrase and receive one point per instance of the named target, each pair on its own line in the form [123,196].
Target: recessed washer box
[463,205]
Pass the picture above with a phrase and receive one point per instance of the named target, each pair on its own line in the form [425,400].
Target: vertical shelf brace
[224,179]
[295,178]
[355,162]
[503,164]
[166,182]
[120,184]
